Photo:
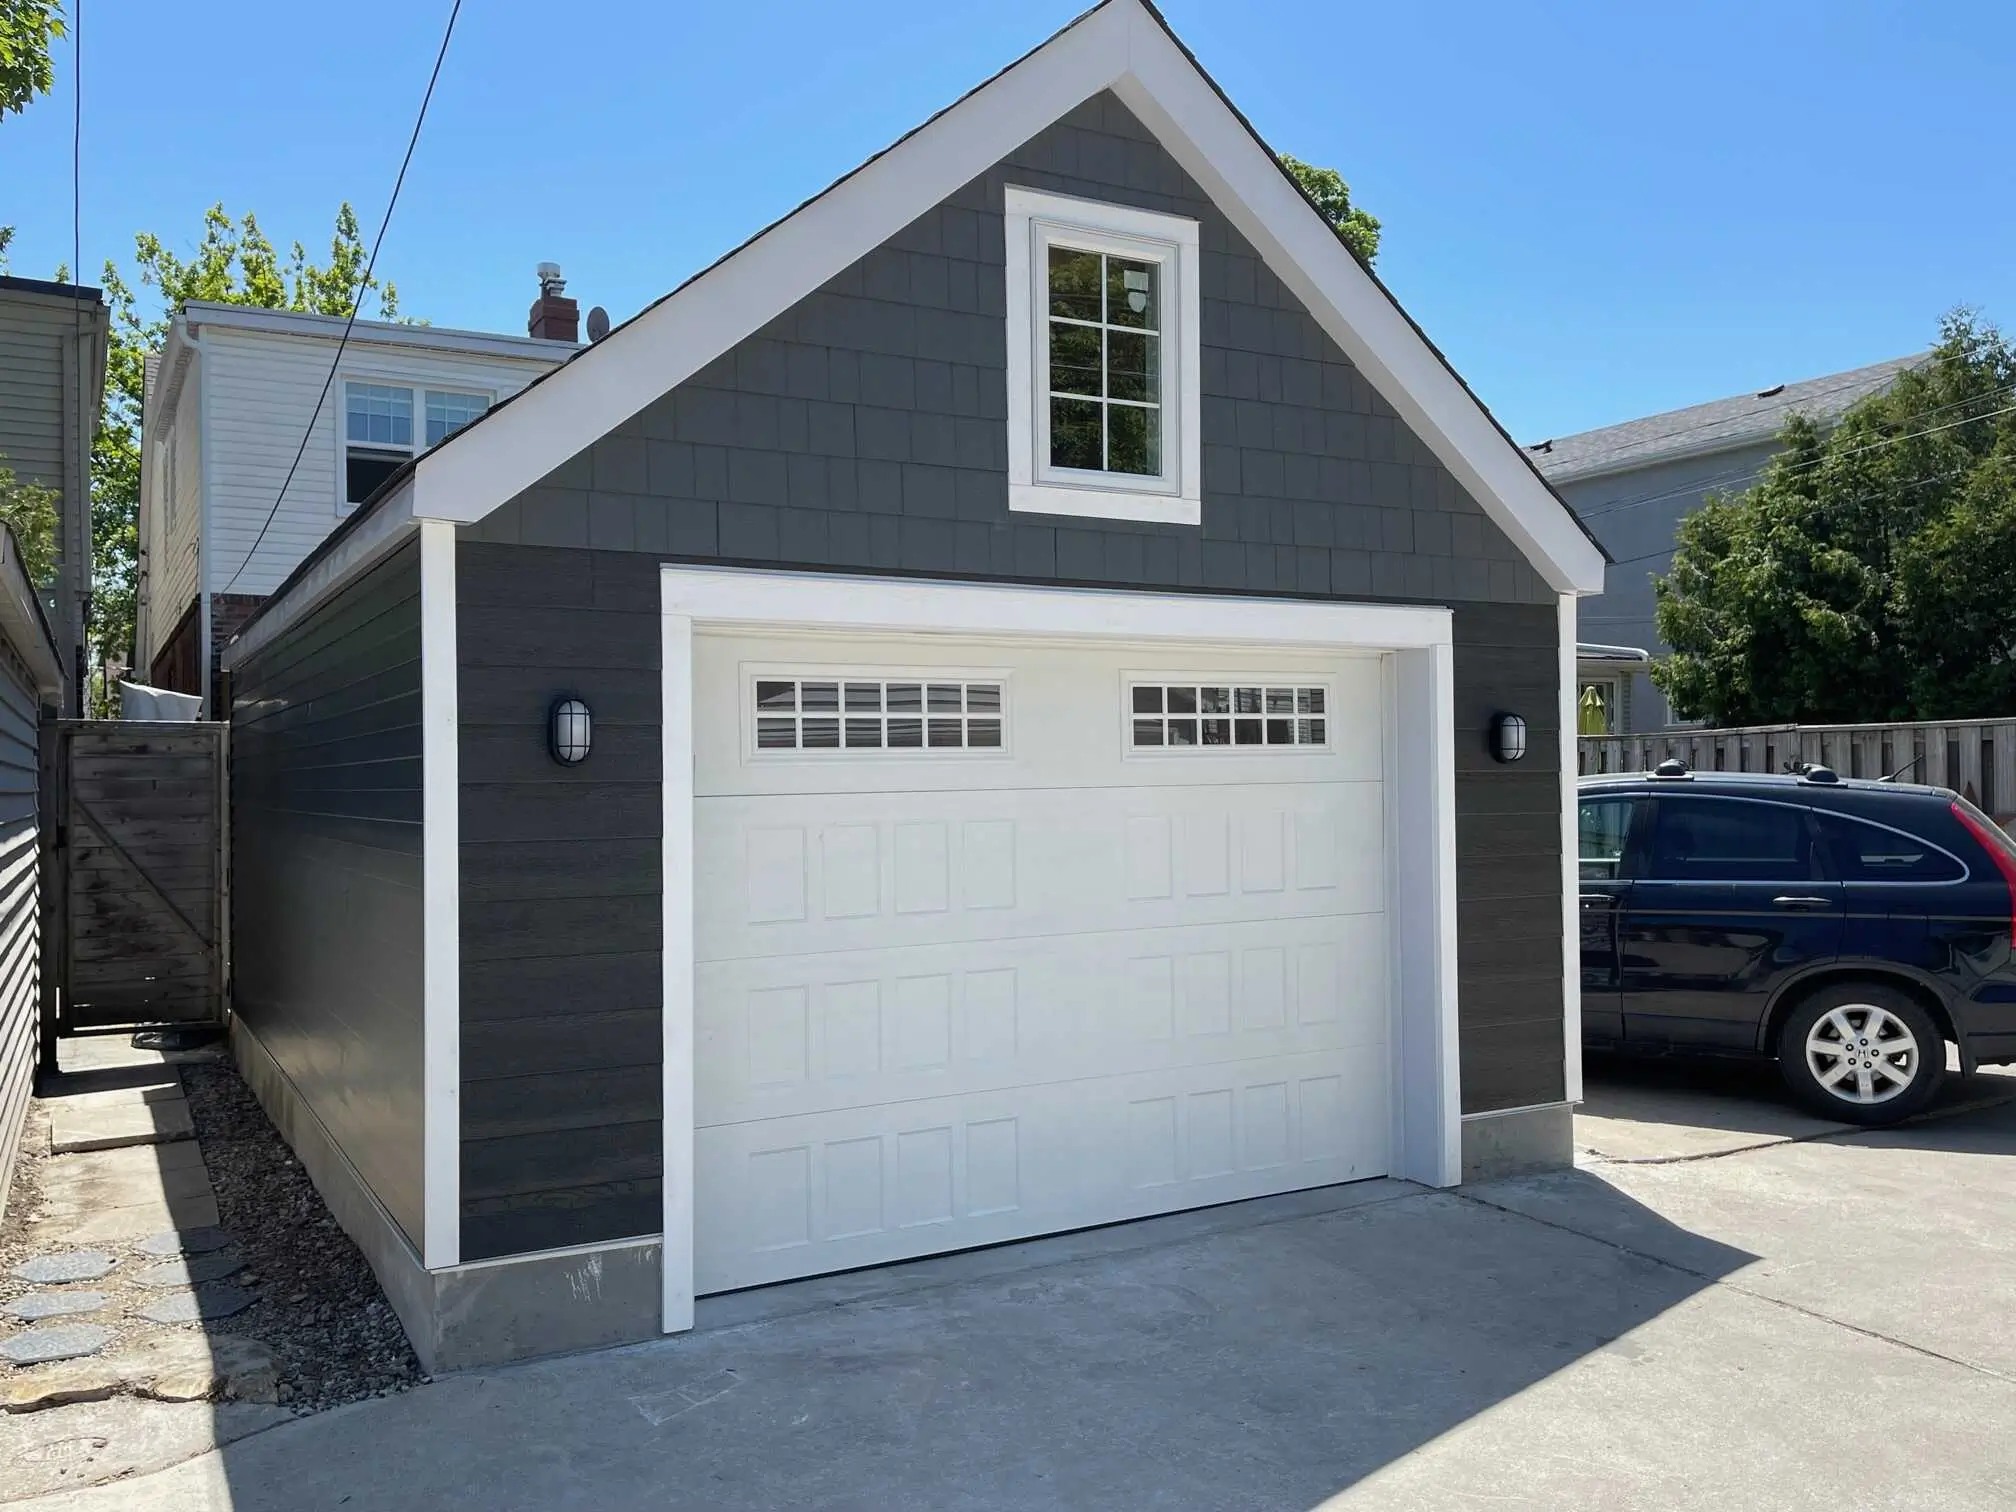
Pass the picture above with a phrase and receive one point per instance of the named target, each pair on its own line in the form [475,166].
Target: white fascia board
[366,543]
[1122,47]
[907,606]
[1164,88]
[378,332]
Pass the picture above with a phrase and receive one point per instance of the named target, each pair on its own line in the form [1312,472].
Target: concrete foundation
[1518,1141]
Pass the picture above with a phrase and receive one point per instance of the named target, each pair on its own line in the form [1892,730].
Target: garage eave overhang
[1123,46]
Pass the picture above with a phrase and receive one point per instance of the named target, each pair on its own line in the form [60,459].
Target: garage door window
[864,714]
[1225,716]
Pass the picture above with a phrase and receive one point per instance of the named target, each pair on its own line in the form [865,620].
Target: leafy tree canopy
[29,510]
[27,28]
[234,263]
[1356,228]
[1870,573]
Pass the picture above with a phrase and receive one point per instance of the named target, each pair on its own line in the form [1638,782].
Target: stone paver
[77,1265]
[109,1126]
[125,1224]
[61,1384]
[193,1271]
[34,1307]
[189,1241]
[55,1341]
[204,1305]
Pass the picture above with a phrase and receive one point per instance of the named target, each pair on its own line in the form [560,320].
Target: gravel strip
[320,1309]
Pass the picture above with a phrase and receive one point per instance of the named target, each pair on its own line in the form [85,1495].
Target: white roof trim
[1120,46]
[201,313]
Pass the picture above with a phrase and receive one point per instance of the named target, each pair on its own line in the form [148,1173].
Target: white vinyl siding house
[236,423]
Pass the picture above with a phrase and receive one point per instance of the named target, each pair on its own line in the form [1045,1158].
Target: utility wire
[87,430]
[358,303]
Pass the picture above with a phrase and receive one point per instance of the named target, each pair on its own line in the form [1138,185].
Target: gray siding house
[1632,485]
[1028,695]
[52,383]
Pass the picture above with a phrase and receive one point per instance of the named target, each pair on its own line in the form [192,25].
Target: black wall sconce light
[569,731]
[1508,737]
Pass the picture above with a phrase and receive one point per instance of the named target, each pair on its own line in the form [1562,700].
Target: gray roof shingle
[1716,426]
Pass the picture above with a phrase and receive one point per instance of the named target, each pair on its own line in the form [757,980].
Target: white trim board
[440,887]
[1571,860]
[1421,849]
[1123,46]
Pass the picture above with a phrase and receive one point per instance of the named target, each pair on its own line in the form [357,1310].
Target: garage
[1013,937]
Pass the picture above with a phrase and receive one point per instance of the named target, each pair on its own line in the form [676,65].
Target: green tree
[1326,189]
[234,263]
[27,28]
[1870,573]
[29,510]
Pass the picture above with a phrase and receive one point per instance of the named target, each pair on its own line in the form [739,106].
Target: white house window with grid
[1103,363]
[379,429]
[1227,716]
[867,714]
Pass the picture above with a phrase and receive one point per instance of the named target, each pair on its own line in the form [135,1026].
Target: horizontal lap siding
[20,910]
[326,860]
[1509,953]
[561,923]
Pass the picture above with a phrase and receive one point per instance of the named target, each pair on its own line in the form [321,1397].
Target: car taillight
[1988,835]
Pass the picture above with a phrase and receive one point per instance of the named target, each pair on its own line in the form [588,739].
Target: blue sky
[1598,211]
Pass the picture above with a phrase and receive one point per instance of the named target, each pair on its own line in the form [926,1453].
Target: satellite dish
[598,323]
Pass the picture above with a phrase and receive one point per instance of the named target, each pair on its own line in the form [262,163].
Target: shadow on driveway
[1266,1355]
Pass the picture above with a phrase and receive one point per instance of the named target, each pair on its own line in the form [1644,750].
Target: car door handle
[1794,902]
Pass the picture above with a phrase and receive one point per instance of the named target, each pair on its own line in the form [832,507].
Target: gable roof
[1720,425]
[1121,45]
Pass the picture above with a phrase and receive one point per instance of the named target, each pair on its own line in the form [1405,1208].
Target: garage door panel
[781,1037]
[791,1197]
[810,874]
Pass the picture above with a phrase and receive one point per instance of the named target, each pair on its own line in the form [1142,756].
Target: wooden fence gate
[135,886]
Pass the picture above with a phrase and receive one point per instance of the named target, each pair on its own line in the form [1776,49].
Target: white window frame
[802,672]
[1036,221]
[419,389]
[1129,681]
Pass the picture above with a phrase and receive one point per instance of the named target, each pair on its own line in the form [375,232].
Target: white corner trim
[362,547]
[679,1054]
[1122,46]
[440,885]
[1421,860]
[1571,864]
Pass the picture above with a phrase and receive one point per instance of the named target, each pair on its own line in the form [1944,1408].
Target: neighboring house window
[378,429]
[1103,360]
[1596,707]
[171,491]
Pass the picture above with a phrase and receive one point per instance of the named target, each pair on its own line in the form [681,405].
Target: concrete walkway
[1817,1323]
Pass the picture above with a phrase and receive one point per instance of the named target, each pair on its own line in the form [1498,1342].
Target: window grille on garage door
[1227,716]
[857,714]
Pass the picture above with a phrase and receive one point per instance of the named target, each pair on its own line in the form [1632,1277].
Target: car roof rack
[1672,769]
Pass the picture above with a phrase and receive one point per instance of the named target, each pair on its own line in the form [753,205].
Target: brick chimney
[554,316]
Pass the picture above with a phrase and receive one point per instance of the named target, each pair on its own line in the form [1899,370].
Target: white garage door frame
[1421,802]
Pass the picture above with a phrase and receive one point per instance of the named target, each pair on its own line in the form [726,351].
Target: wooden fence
[136,882]
[1976,757]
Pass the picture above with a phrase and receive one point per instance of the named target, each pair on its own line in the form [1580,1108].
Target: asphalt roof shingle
[1715,426]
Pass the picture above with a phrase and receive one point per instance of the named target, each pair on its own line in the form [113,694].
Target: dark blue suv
[1847,929]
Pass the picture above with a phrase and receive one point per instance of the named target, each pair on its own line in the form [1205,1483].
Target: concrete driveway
[1724,1306]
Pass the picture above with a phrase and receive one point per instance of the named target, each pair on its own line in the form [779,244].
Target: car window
[1603,826]
[1729,840]
[1871,853]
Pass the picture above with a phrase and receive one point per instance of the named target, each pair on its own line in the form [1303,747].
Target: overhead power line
[357,303]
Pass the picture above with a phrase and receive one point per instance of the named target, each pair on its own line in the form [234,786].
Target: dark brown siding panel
[561,920]
[1508,858]
[325,855]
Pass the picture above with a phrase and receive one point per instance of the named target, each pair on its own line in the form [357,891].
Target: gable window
[1103,381]
[379,429]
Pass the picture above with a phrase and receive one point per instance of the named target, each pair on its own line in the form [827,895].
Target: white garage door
[997,939]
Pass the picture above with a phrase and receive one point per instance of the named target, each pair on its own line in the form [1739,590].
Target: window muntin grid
[1227,716]
[860,714]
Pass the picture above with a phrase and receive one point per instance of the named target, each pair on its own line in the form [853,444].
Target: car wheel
[1863,1053]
